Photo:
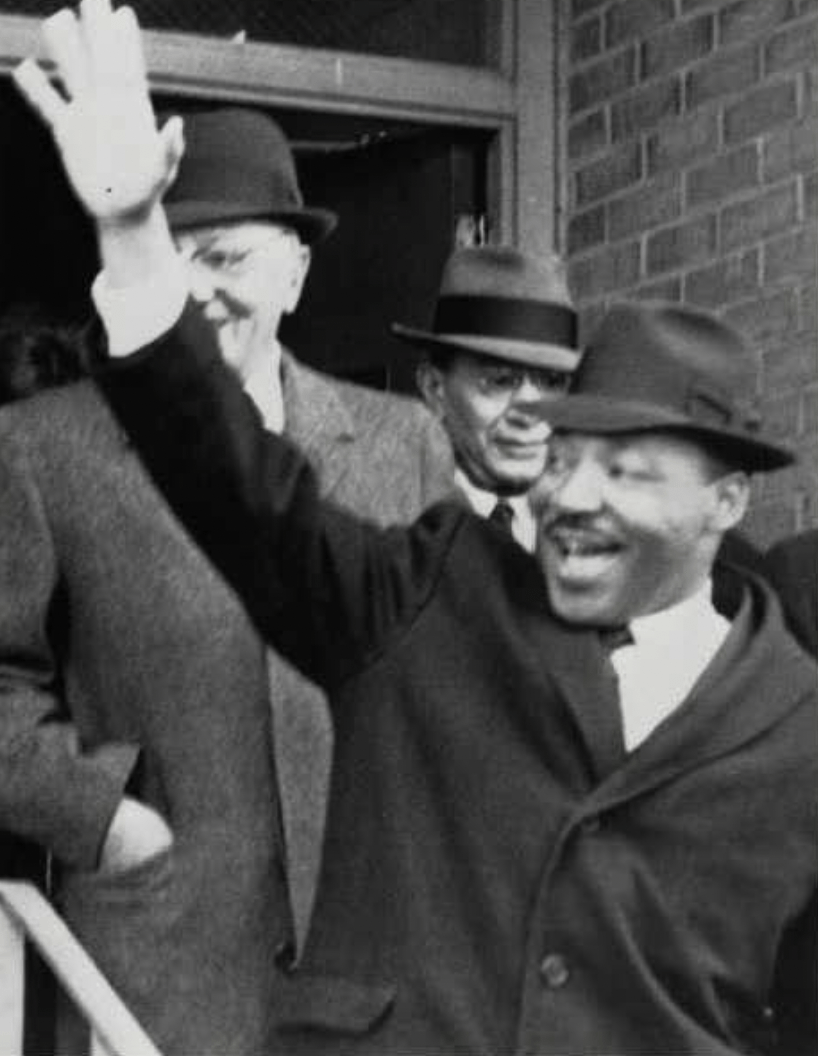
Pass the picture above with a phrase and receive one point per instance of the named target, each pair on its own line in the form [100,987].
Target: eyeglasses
[497,379]
[231,262]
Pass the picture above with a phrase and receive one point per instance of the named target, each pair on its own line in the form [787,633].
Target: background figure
[36,354]
[503,341]
[246,236]
[792,568]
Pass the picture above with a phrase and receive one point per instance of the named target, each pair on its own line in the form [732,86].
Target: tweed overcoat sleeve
[324,588]
[52,790]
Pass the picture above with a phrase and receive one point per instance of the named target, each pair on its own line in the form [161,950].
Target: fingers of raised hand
[37,90]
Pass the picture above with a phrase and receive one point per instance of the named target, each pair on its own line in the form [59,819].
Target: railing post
[12,986]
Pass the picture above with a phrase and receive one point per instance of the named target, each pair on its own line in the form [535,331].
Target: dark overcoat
[792,567]
[126,664]
[384,457]
[498,875]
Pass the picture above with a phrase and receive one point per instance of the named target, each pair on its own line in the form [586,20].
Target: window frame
[516,102]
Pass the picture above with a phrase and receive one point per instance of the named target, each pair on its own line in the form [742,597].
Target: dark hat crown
[655,366]
[501,302]
[238,165]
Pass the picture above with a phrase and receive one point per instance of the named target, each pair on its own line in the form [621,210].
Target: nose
[525,406]
[202,286]
[578,489]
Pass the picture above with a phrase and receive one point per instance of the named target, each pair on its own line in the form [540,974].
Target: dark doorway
[400,190]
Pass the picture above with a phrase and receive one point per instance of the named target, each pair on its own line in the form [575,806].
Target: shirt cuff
[134,316]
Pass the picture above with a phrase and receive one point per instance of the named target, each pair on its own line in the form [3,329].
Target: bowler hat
[238,165]
[661,366]
[497,301]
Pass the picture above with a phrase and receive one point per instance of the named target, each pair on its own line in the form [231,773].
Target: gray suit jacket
[383,457]
[125,662]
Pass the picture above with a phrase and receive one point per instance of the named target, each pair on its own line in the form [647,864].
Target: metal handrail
[26,915]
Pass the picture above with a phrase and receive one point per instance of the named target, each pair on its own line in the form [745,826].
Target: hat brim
[595,414]
[312,225]
[541,354]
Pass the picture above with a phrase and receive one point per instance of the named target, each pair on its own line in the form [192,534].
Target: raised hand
[116,159]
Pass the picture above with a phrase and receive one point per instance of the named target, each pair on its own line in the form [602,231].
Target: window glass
[462,32]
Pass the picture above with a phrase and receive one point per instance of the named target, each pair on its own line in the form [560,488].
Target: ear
[299,267]
[431,385]
[732,493]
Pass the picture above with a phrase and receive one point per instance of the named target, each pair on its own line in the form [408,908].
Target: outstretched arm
[322,587]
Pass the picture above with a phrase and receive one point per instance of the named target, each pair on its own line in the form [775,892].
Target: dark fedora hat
[238,165]
[663,366]
[497,301]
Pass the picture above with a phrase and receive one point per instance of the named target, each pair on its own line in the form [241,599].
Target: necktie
[613,638]
[502,515]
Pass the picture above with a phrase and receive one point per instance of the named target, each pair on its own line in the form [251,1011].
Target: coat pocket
[330,1003]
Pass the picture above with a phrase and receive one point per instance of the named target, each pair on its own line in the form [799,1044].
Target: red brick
[634,19]
[810,410]
[751,18]
[794,254]
[648,206]
[790,364]
[616,171]
[697,5]
[586,229]
[808,301]
[682,142]
[767,522]
[792,149]
[587,135]
[795,46]
[766,318]
[782,415]
[645,108]
[759,217]
[613,268]
[598,82]
[759,110]
[724,176]
[811,195]
[676,47]
[731,279]
[663,290]
[726,73]
[586,40]
[676,247]
[582,7]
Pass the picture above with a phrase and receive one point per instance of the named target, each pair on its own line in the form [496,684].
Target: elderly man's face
[245,276]
[492,411]
[629,525]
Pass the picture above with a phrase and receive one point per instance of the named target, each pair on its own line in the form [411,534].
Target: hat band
[511,318]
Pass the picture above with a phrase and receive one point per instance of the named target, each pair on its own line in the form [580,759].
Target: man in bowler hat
[503,339]
[241,226]
[574,802]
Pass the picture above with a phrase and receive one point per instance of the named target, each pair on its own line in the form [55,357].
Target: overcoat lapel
[736,699]
[587,681]
[317,421]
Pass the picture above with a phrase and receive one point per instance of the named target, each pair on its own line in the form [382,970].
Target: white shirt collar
[263,385]
[694,612]
[523,526]
[670,651]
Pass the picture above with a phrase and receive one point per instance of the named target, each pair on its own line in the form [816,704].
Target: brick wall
[692,174]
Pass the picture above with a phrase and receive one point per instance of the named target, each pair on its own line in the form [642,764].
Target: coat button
[554,971]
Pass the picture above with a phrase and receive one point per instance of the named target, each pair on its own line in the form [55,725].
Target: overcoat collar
[738,697]
[317,420]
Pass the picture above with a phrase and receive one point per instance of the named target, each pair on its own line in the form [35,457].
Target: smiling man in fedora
[503,339]
[524,854]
